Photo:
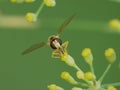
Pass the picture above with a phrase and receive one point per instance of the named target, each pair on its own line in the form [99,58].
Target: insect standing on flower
[54,41]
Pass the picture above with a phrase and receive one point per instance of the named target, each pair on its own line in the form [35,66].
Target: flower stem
[101,89]
[77,68]
[105,72]
[91,68]
[83,84]
[39,9]
[113,84]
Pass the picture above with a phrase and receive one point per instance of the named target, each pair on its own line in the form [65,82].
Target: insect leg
[65,45]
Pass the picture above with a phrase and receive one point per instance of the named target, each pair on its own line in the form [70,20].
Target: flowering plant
[31,16]
[88,80]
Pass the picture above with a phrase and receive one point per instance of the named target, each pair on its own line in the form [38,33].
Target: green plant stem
[92,68]
[101,89]
[39,9]
[113,84]
[88,83]
[83,84]
[105,72]
[77,68]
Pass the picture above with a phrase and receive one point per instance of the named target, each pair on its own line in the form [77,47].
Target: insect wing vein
[66,22]
[34,47]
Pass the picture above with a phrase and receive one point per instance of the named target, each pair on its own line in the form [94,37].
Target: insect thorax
[55,42]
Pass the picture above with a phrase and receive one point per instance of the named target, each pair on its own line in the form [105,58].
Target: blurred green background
[36,70]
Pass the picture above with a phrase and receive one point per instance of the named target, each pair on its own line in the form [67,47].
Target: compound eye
[51,38]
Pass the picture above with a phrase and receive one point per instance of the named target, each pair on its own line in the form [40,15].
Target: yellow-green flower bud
[17,1]
[54,87]
[13,1]
[68,59]
[89,76]
[76,88]
[31,17]
[111,88]
[29,1]
[114,24]
[86,53]
[110,55]
[66,76]
[50,3]
[80,74]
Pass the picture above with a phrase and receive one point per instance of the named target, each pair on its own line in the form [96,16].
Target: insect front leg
[65,45]
[56,53]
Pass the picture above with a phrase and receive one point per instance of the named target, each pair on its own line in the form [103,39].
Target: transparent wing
[34,47]
[66,22]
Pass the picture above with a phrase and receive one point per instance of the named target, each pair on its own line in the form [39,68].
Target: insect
[54,41]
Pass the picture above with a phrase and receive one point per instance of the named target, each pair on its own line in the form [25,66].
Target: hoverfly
[54,41]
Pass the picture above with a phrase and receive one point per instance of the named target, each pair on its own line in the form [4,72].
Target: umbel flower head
[88,80]
[32,17]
